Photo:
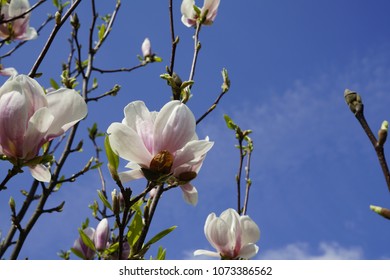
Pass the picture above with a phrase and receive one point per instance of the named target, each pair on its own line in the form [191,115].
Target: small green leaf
[135,229]
[56,4]
[102,30]
[54,84]
[113,158]
[160,235]
[77,253]
[230,124]
[161,253]
[87,241]
[104,200]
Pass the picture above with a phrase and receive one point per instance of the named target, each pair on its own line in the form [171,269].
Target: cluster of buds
[354,101]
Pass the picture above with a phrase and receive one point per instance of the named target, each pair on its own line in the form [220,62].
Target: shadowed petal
[40,173]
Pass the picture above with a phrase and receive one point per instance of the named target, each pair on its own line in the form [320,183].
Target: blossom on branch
[160,146]
[29,118]
[191,13]
[232,235]
[15,27]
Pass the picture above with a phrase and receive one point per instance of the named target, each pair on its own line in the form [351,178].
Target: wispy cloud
[303,251]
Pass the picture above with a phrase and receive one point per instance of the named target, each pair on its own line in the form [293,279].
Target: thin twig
[51,38]
[196,51]
[174,40]
[212,107]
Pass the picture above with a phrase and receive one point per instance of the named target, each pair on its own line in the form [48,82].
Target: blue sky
[314,171]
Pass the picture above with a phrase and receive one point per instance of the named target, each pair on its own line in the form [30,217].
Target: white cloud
[303,251]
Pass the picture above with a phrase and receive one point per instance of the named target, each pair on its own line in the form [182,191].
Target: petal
[67,107]
[40,173]
[190,194]
[206,253]
[18,7]
[174,127]
[251,232]
[38,126]
[192,153]
[187,9]
[248,251]
[128,145]
[212,7]
[218,235]
[131,175]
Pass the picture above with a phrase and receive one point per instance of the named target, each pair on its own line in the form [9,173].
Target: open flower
[232,235]
[17,29]
[29,118]
[207,13]
[161,146]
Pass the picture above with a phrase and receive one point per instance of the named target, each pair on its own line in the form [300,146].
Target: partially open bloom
[102,234]
[207,13]
[29,118]
[232,235]
[81,249]
[161,146]
[19,28]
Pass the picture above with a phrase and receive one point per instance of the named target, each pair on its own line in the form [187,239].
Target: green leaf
[87,241]
[160,235]
[56,4]
[113,158]
[102,30]
[161,253]
[104,200]
[54,84]
[230,124]
[77,253]
[135,229]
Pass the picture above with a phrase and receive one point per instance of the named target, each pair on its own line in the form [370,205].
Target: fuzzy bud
[382,134]
[354,101]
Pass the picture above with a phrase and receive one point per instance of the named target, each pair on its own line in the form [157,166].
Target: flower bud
[102,234]
[382,134]
[353,100]
[146,48]
[384,212]
[115,202]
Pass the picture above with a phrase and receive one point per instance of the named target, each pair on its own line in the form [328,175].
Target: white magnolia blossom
[189,16]
[29,118]
[162,143]
[232,235]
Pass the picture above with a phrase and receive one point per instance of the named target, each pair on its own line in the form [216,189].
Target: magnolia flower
[82,250]
[160,145]
[19,28]
[190,16]
[29,118]
[232,235]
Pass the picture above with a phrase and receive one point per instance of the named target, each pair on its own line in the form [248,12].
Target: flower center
[162,162]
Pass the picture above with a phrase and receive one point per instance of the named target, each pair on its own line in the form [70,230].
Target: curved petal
[248,251]
[18,7]
[67,107]
[192,153]
[128,145]
[131,175]
[231,217]
[173,127]
[38,126]
[187,9]
[206,253]
[218,235]
[190,194]
[40,173]
[13,122]
[251,232]
[212,7]
[135,111]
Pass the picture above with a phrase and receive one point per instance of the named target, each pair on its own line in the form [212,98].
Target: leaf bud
[384,212]
[354,101]
[382,134]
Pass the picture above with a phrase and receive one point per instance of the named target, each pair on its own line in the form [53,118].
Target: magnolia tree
[39,124]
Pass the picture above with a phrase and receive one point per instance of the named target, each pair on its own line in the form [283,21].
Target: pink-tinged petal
[10,71]
[128,145]
[38,126]
[231,217]
[218,234]
[251,232]
[30,34]
[190,194]
[248,251]
[67,107]
[192,153]
[206,253]
[18,7]
[40,173]
[212,7]
[173,127]
[13,122]
[102,234]
[187,9]
[131,175]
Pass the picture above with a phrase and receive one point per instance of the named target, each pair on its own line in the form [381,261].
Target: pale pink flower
[189,16]
[83,250]
[20,29]
[232,235]
[160,143]
[29,118]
